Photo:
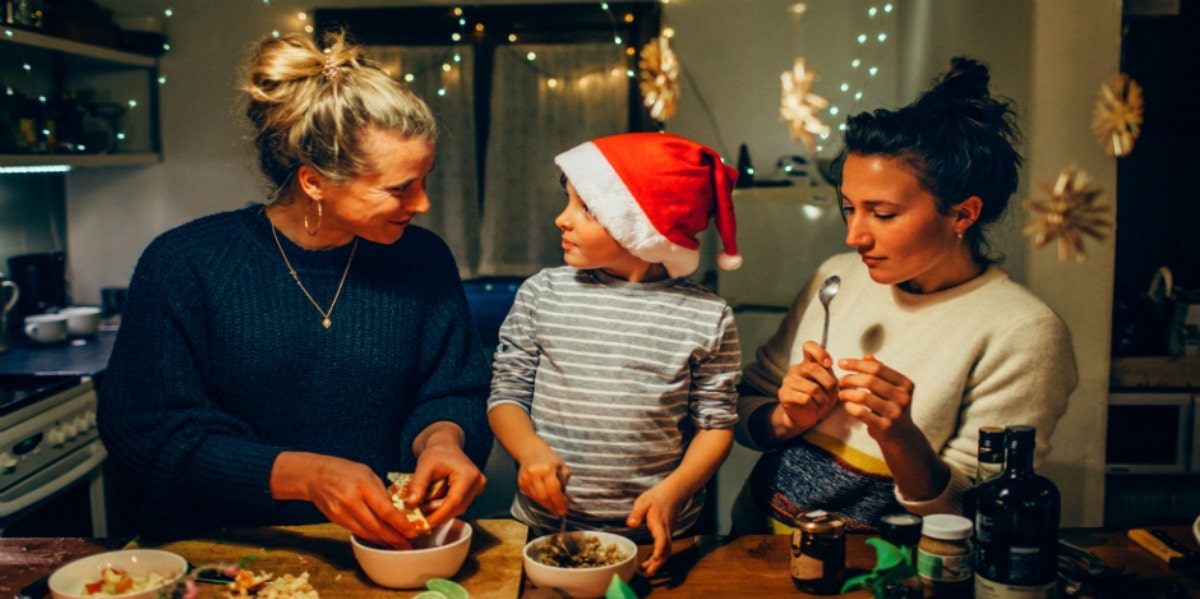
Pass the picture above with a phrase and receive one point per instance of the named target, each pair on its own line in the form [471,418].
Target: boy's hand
[543,477]
[658,508]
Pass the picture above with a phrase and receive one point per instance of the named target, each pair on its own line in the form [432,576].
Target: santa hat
[654,192]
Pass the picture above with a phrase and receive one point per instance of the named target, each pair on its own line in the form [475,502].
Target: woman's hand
[348,493]
[808,392]
[877,396]
[880,398]
[658,507]
[543,477]
[440,455]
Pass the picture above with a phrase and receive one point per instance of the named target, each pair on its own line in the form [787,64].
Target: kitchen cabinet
[118,89]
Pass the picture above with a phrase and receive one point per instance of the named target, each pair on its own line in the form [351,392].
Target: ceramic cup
[46,328]
[82,320]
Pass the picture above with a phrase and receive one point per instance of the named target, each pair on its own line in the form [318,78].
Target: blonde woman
[274,363]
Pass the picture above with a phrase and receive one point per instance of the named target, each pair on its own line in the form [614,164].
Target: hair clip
[330,71]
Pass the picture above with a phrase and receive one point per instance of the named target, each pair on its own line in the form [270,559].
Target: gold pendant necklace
[325,322]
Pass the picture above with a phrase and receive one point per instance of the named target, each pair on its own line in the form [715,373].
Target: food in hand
[115,581]
[399,490]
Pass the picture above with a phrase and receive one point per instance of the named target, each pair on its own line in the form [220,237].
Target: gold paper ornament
[1117,120]
[799,106]
[659,80]
[1069,213]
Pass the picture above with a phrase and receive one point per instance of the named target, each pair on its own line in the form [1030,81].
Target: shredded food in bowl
[591,554]
[115,581]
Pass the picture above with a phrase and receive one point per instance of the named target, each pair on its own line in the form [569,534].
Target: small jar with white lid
[944,555]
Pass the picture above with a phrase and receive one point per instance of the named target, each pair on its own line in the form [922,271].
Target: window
[512,86]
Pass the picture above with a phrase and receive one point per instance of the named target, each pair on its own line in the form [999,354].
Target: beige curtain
[442,76]
[545,99]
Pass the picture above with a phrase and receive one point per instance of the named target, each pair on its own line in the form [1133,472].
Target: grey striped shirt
[616,376]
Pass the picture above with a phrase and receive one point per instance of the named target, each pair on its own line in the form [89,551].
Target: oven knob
[56,437]
[69,431]
[81,424]
[8,463]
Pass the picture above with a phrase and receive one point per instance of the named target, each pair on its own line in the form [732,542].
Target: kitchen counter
[85,357]
[705,566]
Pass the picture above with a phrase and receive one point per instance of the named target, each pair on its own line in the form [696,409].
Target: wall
[1076,46]
[734,55]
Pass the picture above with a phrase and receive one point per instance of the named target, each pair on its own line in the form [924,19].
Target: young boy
[615,372]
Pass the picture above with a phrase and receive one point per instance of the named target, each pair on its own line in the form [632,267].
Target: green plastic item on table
[617,589]
[892,564]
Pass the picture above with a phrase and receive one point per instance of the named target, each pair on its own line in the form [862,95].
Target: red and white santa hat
[654,192]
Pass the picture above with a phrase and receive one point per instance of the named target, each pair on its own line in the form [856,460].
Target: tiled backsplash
[33,215]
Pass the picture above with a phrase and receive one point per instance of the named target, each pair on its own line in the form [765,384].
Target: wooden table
[757,566]
[752,566]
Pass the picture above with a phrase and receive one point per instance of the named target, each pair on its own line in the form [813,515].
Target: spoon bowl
[826,294]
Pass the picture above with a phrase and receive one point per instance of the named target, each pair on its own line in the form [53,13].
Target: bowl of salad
[128,574]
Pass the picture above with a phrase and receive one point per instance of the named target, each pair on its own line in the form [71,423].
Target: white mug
[82,320]
[46,328]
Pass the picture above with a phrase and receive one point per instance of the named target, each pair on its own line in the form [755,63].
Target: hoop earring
[312,231]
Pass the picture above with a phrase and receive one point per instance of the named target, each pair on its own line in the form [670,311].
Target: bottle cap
[947,527]
[902,529]
[819,521]
[1020,435]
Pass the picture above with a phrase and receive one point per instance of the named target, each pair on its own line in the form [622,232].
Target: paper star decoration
[1068,214]
[799,106]
[1117,120]
[659,80]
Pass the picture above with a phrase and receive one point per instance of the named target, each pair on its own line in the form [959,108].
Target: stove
[48,442]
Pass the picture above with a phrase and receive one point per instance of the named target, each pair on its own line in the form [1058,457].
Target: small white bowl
[439,555]
[68,581]
[580,583]
[82,321]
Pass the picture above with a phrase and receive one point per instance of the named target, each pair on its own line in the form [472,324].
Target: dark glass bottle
[1016,527]
[904,531]
[989,465]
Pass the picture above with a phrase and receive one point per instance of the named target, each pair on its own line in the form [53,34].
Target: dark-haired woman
[929,339]
[274,363]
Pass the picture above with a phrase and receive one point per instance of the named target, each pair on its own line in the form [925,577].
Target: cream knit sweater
[987,352]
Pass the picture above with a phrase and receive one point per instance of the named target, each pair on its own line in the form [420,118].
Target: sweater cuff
[240,469]
[949,501]
[747,405]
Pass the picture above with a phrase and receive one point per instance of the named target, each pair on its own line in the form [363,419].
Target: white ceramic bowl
[68,581]
[580,583]
[438,555]
[82,320]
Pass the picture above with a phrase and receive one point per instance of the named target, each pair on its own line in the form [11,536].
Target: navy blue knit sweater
[221,363]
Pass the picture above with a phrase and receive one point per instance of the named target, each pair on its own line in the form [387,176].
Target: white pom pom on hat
[654,192]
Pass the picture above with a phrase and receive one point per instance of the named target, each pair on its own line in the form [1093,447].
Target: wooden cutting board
[492,570]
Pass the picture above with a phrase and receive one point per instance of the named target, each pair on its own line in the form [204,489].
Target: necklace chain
[325,322]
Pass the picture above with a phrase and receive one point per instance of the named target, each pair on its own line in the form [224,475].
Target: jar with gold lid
[818,561]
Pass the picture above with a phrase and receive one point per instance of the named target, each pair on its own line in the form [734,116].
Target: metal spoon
[828,290]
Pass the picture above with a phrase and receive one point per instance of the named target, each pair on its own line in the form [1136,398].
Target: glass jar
[944,556]
[818,562]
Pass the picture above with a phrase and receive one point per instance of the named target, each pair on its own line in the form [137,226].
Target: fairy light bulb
[532,56]
[862,38]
